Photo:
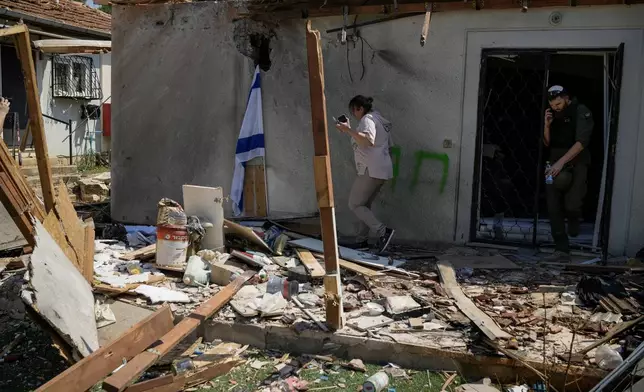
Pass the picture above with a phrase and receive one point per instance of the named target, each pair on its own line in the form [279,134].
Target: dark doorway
[509,204]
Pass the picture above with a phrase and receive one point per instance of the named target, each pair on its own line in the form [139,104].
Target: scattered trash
[104,314]
[607,358]
[518,388]
[197,272]
[287,288]
[376,383]
[182,365]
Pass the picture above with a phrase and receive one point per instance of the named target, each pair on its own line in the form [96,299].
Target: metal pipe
[54,118]
[53,23]
[71,146]
[371,22]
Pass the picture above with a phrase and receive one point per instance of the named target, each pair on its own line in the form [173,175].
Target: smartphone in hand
[343,119]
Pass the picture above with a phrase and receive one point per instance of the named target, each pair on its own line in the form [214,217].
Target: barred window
[75,77]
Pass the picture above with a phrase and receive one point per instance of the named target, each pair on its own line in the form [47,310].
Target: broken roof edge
[73,46]
[40,21]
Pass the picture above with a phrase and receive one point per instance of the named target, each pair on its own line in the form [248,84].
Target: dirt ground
[34,359]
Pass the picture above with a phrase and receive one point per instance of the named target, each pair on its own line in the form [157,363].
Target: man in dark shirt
[567,131]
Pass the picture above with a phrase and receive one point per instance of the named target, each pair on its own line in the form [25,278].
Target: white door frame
[629,115]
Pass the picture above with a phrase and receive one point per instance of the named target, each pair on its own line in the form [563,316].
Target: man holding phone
[371,141]
[567,131]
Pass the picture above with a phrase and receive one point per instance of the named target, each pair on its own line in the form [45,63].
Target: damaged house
[467,109]
[74,89]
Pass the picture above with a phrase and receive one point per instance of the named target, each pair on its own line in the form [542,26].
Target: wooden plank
[255,191]
[425,30]
[139,364]
[181,382]
[23,46]
[310,262]
[323,185]
[88,252]
[145,253]
[55,230]
[353,267]
[597,269]
[72,225]
[9,166]
[617,331]
[84,374]
[13,30]
[323,179]
[478,317]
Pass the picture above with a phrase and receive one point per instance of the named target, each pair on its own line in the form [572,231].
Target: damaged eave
[315,10]
[73,46]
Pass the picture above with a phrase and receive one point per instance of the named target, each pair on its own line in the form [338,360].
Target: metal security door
[507,181]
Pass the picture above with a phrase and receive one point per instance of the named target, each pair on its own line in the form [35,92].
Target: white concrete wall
[87,136]
[426,92]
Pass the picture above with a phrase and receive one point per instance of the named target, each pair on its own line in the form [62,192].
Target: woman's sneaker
[385,239]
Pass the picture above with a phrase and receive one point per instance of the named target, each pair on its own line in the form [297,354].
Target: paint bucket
[172,245]
[376,383]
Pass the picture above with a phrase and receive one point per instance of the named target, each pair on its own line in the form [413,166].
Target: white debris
[161,294]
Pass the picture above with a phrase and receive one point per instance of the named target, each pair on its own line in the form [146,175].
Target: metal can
[376,383]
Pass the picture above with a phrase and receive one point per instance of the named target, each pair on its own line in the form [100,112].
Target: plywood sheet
[60,294]
[480,262]
[206,203]
[248,234]
[364,258]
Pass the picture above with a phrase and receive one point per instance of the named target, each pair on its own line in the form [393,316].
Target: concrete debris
[93,191]
[484,385]
[401,304]
[365,323]
[357,365]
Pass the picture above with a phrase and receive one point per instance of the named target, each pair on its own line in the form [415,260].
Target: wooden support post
[23,46]
[323,181]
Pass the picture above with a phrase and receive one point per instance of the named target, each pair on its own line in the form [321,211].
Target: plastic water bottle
[549,179]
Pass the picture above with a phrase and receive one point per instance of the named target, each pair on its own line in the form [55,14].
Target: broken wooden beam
[476,315]
[183,381]
[617,331]
[84,374]
[139,364]
[323,181]
[23,47]
[88,252]
[310,263]
[145,253]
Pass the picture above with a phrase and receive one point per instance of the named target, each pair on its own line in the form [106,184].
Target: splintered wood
[476,315]
[140,363]
[323,181]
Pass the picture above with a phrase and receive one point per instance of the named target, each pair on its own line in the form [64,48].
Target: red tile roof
[65,11]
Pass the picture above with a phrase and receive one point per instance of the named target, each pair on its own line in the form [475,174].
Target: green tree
[106,8]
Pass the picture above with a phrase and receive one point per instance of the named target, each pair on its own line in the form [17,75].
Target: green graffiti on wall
[420,157]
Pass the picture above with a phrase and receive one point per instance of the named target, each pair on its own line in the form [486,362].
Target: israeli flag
[250,143]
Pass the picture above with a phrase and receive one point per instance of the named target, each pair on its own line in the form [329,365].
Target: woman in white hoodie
[371,142]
